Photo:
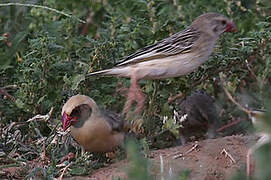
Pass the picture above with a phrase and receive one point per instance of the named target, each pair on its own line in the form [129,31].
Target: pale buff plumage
[174,56]
[95,130]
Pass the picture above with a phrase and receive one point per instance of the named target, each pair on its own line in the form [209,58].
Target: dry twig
[42,7]
[221,75]
[173,98]
[63,171]
[251,71]
[187,152]
[42,117]
[229,125]
[5,93]
[232,160]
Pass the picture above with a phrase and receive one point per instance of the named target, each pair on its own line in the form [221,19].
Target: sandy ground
[212,159]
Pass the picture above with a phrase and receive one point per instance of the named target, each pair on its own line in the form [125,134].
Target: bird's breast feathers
[96,135]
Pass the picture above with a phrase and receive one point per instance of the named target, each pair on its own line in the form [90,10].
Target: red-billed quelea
[94,129]
[174,56]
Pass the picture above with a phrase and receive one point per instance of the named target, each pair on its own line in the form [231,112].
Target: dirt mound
[208,159]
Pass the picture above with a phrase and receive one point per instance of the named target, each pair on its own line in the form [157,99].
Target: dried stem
[230,96]
[224,151]
[42,7]
[42,117]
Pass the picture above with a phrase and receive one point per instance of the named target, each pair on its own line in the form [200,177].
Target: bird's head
[214,23]
[76,110]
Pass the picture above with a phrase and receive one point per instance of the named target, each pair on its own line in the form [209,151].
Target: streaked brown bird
[174,56]
[94,129]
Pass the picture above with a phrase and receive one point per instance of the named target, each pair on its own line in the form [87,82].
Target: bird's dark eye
[75,112]
[223,22]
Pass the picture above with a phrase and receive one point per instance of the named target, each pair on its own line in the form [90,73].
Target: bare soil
[211,159]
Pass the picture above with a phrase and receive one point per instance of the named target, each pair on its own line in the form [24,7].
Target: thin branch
[230,96]
[229,125]
[173,98]
[187,152]
[5,93]
[222,78]
[251,71]
[42,7]
[42,117]
[63,171]
[13,86]
[88,23]
[224,151]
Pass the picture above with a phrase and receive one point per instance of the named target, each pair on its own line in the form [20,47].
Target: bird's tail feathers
[102,72]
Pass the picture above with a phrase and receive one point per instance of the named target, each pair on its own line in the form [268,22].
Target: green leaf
[76,81]
[19,103]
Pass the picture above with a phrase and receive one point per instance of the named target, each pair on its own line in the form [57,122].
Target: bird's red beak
[67,121]
[231,27]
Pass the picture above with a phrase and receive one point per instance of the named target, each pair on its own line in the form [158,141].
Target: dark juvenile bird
[94,129]
[196,114]
[174,56]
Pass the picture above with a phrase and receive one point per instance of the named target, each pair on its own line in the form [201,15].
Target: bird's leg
[135,94]
[140,100]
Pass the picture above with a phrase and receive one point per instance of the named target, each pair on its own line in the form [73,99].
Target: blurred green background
[45,55]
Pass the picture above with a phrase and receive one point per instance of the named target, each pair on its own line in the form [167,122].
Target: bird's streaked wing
[113,119]
[181,42]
